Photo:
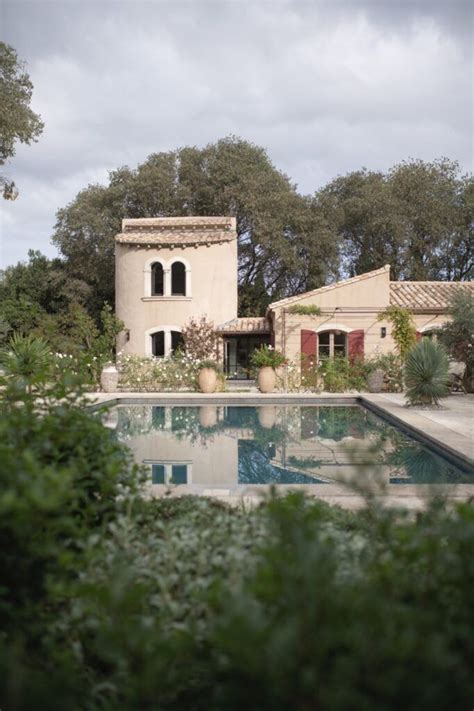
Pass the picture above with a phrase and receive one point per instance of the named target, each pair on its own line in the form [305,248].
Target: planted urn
[208,376]
[109,378]
[266,359]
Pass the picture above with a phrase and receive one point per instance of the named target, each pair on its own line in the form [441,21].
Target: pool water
[230,446]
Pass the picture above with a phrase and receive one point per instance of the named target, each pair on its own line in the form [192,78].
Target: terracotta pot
[266,379]
[267,416]
[109,379]
[375,381]
[207,380]
[207,416]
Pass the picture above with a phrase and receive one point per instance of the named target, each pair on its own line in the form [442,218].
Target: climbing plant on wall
[403,328]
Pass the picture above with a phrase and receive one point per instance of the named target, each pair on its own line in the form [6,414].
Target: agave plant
[426,373]
[26,360]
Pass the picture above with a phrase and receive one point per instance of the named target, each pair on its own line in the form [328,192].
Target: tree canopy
[418,218]
[285,246]
[18,122]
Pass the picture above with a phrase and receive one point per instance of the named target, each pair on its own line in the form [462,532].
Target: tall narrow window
[178,279]
[177,341]
[158,344]
[157,280]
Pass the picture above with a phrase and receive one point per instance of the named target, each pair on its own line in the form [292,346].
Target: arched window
[157,280]
[332,343]
[164,343]
[177,341]
[178,279]
[158,344]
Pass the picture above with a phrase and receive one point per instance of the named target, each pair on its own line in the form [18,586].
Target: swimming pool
[234,447]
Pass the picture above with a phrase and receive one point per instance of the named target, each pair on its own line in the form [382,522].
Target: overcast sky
[326,87]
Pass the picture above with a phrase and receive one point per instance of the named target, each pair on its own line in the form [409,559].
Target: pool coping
[449,444]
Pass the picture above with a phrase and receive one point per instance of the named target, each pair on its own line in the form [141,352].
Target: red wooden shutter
[309,344]
[356,344]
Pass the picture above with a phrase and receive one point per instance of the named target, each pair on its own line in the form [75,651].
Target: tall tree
[17,120]
[418,218]
[435,206]
[32,292]
[279,232]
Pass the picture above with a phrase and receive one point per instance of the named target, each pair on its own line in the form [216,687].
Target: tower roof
[177,231]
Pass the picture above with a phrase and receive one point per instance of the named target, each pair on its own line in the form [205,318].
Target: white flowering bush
[289,377]
[178,372]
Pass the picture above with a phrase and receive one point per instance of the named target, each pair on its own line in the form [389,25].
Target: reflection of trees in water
[409,461]
[255,467]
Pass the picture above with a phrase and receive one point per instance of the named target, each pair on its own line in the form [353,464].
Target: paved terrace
[449,428]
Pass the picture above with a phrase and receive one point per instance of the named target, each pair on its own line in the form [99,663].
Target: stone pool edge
[450,444]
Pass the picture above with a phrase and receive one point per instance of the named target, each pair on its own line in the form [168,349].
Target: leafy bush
[266,356]
[304,310]
[392,366]
[200,338]
[61,475]
[210,364]
[458,335]
[426,373]
[292,605]
[335,375]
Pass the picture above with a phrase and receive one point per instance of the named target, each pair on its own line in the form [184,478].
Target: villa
[171,269]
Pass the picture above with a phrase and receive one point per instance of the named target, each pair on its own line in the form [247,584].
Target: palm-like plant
[27,360]
[426,373]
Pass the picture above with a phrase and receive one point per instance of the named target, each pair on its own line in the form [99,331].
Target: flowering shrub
[200,338]
[178,372]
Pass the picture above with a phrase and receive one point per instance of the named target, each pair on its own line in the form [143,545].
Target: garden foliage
[200,338]
[403,328]
[426,373]
[110,600]
[458,335]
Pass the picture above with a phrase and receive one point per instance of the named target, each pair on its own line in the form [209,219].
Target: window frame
[332,346]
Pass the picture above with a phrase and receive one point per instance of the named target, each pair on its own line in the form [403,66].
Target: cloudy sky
[325,86]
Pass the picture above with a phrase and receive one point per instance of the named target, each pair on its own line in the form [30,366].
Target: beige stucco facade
[207,247]
[354,305]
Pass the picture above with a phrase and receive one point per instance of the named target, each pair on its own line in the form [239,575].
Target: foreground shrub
[426,373]
[189,604]
[61,477]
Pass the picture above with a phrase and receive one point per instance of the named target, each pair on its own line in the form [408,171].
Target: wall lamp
[383,332]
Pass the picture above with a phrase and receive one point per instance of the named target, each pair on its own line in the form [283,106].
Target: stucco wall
[346,307]
[213,272]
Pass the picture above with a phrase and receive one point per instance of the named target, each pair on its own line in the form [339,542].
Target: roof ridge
[328,287]
[445,283]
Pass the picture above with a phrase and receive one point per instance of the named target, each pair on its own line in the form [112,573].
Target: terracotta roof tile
[179,222]
[176,231]
[426,294]
[258,324]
